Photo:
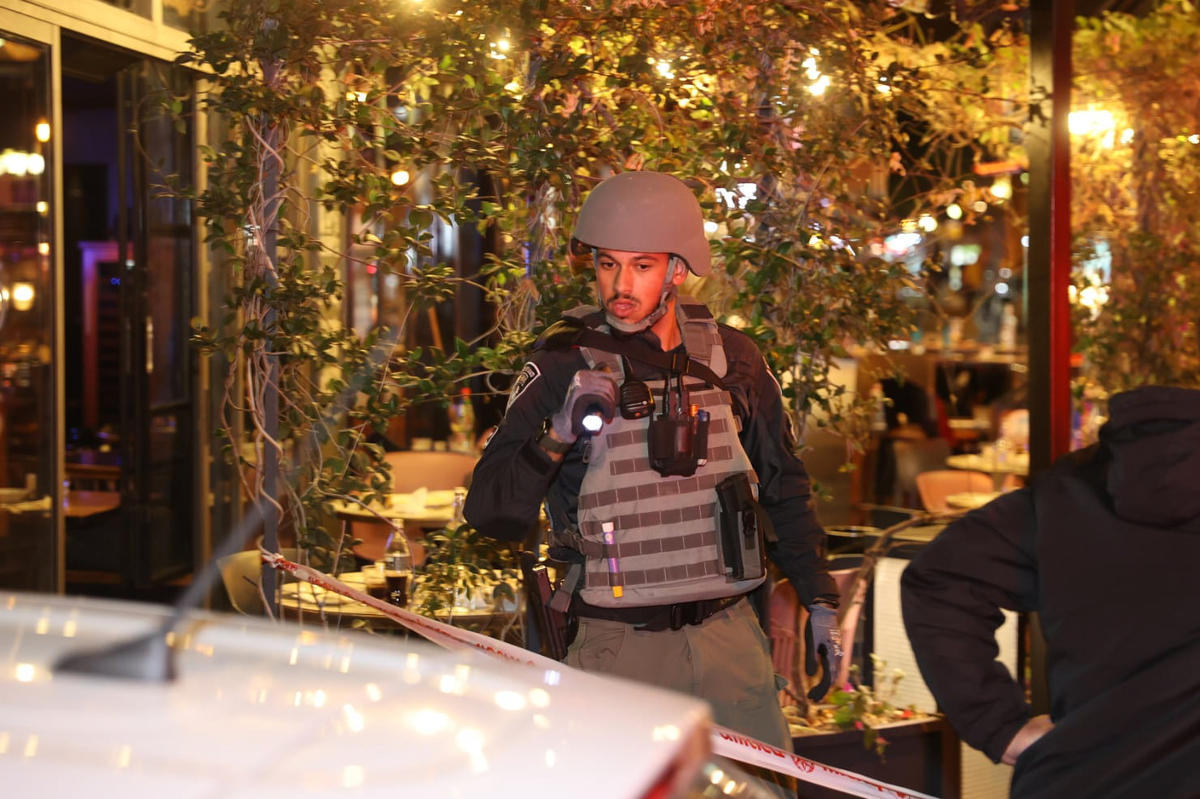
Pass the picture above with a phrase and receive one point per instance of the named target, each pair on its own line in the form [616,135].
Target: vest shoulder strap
[562,335]
[675,362]
[701,336]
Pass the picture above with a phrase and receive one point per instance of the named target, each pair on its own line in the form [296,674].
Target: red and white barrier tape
[725,743]
[736,746]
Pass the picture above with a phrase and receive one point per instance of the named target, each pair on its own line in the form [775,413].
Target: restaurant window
[27,319]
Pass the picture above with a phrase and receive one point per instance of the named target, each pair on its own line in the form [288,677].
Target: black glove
[822,637]
[591,391]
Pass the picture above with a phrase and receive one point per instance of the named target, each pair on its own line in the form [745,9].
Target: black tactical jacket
[1106,547]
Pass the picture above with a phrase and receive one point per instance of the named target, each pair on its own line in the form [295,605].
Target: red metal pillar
[1049,266]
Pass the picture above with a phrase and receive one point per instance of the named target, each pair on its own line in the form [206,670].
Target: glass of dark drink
[375,583]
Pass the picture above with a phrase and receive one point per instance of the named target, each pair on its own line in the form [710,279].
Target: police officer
[664,554]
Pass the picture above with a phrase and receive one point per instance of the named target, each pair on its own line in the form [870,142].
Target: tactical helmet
[645,212]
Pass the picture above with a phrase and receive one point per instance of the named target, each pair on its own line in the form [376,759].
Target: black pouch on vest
[678,444]
[744,528]
[678,437]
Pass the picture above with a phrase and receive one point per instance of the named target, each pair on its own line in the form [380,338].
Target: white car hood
[274,710]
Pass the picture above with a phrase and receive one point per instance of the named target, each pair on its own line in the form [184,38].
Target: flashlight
[593,421]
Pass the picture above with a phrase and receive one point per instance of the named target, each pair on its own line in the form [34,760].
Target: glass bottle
[397,566]
[462,422]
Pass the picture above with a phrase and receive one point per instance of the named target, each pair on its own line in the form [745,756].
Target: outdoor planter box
[923,755]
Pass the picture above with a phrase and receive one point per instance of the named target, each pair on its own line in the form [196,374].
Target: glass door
[28,474]
[129,298]
[158,362]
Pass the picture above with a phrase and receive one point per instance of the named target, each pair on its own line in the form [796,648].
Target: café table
[987,461]
[300,600]
[419,511]
[969,500]
[79,504]
[433,509]
[85,504]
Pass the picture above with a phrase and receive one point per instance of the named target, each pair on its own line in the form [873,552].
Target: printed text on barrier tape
[736,746]
[726,743]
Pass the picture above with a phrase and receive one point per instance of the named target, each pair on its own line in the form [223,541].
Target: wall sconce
[22,296]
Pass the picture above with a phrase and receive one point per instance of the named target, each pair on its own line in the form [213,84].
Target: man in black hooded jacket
[1105,546]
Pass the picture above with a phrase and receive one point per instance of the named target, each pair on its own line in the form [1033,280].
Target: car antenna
[150,657]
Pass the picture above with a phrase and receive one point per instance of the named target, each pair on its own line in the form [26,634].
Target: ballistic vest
[664,546]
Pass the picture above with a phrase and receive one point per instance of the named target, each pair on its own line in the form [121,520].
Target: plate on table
[439,499]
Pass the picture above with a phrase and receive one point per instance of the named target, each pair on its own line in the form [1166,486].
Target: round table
[969,500]
[1015,463]
[307,601]
[374,520]
[434,509]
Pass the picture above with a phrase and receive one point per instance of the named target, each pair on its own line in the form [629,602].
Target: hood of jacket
[1153,437]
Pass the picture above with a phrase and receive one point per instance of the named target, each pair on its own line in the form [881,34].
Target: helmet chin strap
[669,290]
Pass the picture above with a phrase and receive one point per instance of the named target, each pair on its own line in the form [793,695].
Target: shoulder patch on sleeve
[529,373]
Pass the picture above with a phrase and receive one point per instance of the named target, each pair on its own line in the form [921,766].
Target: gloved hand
[823,638]
[590,391]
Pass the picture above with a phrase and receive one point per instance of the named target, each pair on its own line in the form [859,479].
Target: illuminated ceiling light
[42,131]
[43,248]
[502,45]
[954,211]
[927,223]
[1194,138]
[1002,188]
[401,177]
[979,206]
[22,296]
[43,207]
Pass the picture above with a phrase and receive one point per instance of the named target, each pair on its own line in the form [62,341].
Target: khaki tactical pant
[725,660]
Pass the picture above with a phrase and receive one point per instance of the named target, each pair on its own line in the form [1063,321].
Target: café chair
[913,458]
[785,620]
[785,627]
[432,470]
[241,573]
[934,486]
